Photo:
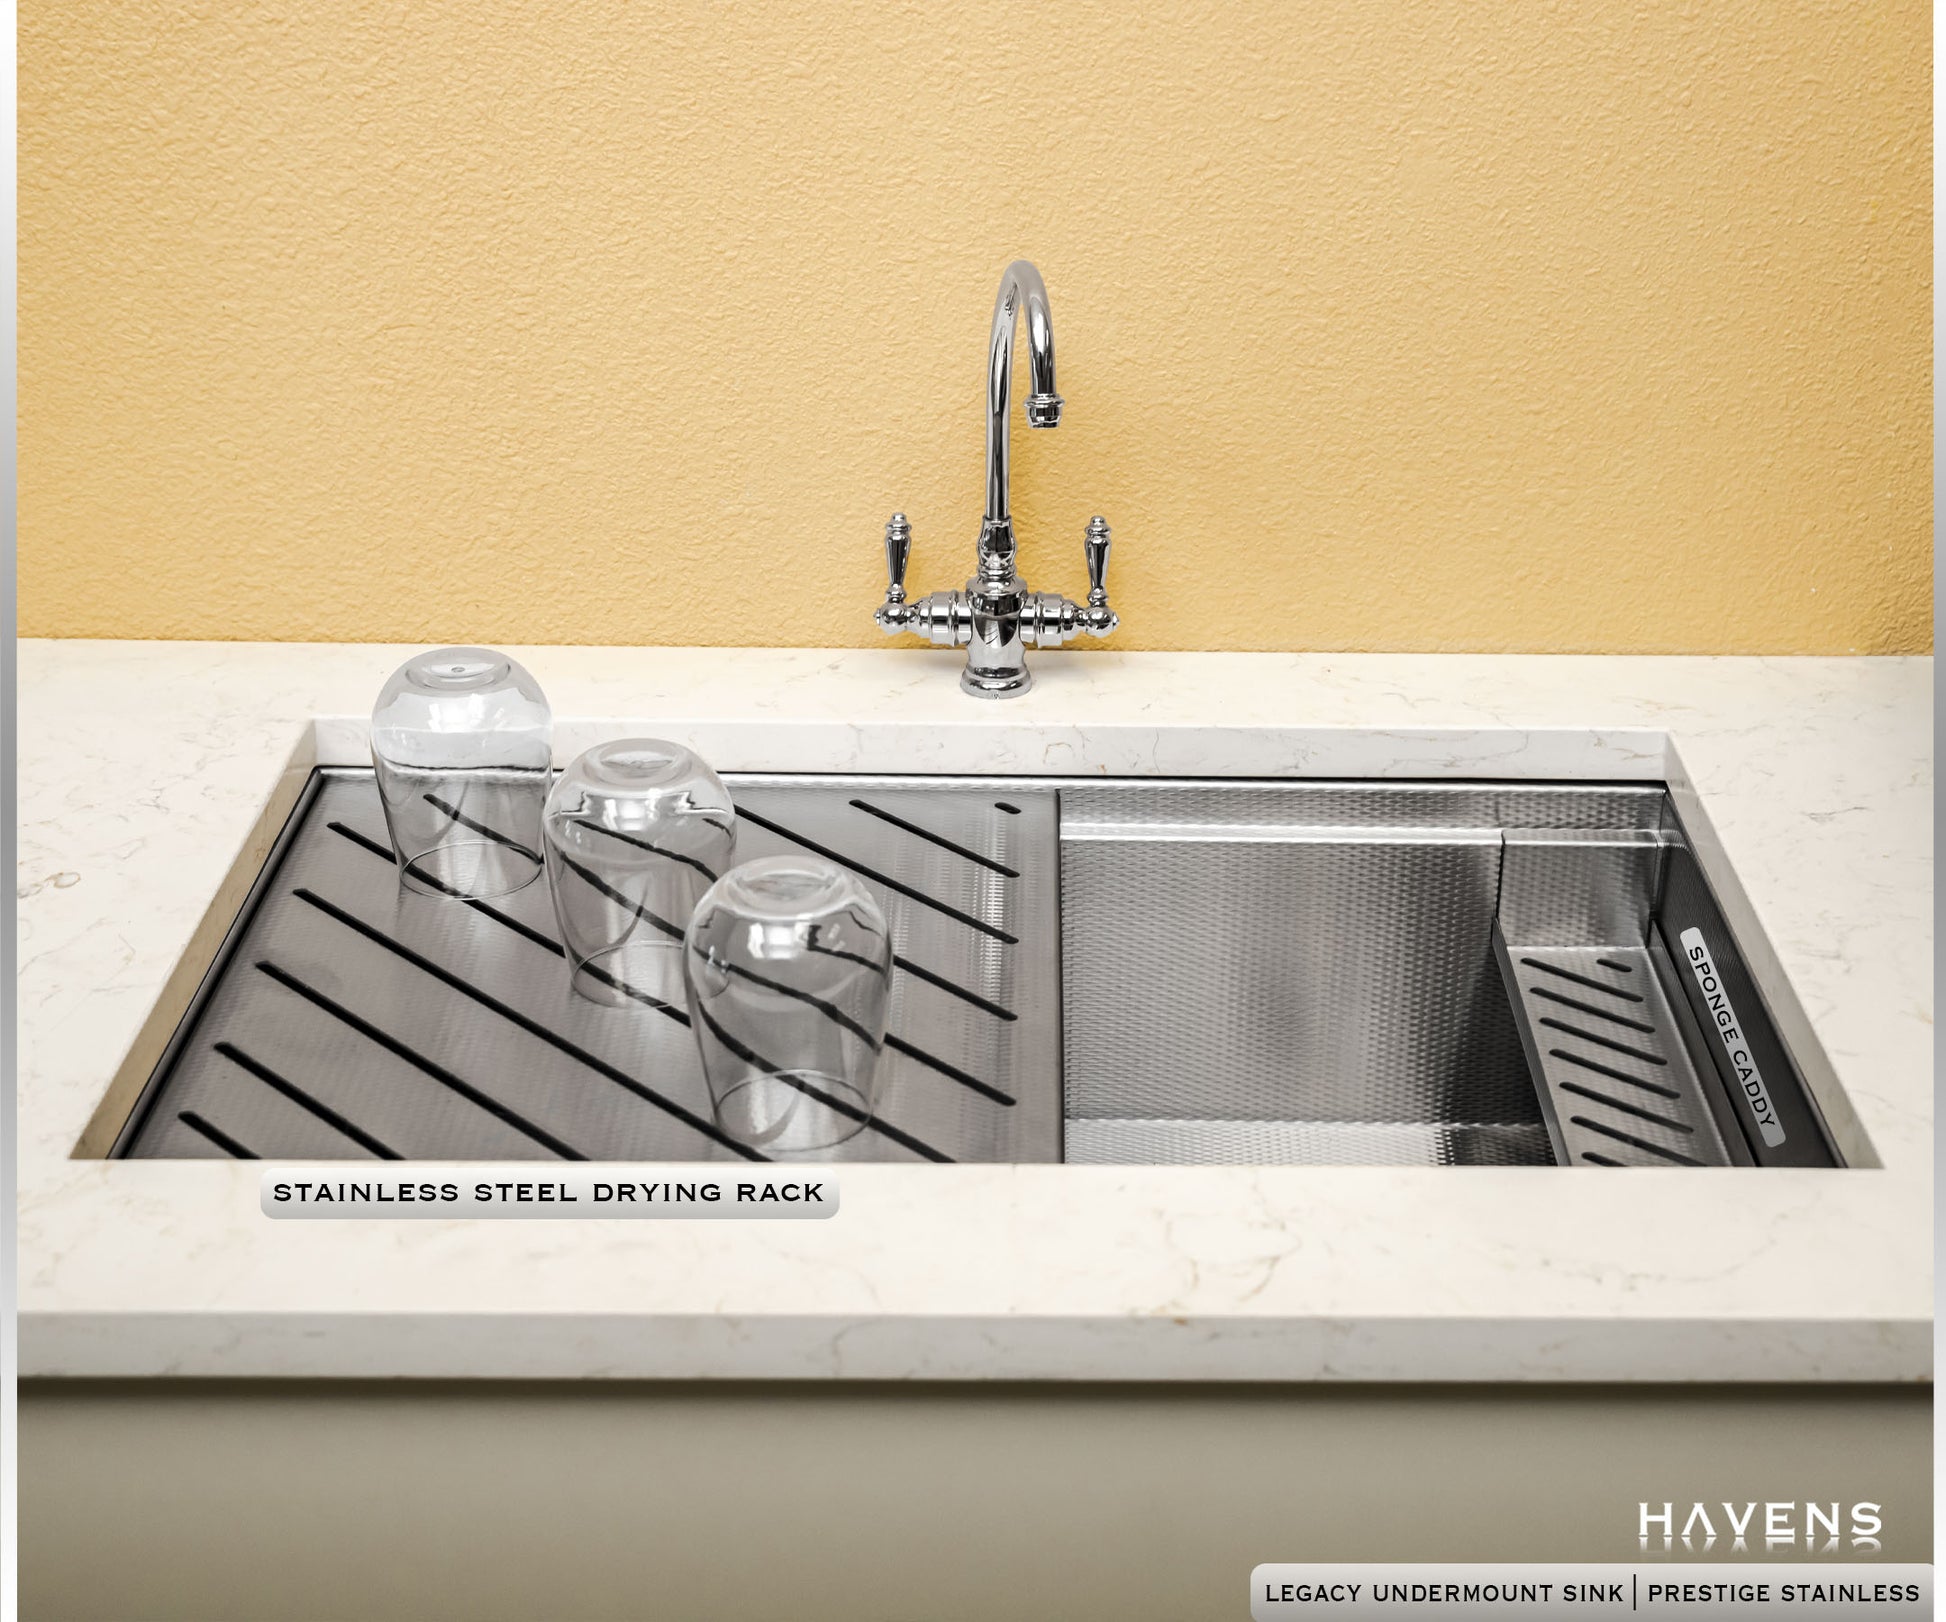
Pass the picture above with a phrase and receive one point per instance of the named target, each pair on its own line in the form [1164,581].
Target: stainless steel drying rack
[347,1016]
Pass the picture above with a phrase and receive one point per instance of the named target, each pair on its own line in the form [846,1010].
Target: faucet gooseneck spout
[1022,295]
[996,618]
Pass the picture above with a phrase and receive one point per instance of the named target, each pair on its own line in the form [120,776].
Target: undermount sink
[1110,971]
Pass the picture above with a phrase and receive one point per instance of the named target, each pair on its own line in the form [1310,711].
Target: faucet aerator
[1043,410]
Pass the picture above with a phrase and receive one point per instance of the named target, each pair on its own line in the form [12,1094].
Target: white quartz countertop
[145,770]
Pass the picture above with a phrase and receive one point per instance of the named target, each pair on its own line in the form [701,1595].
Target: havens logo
[1778,1525]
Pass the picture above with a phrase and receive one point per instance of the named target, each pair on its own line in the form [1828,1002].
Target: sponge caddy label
[1729,1029]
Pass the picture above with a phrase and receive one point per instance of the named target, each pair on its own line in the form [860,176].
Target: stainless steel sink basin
[1156,971]
[1299,972]
[1448,974]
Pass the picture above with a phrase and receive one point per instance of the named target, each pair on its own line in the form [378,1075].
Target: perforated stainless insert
[349,1018]
[1617,1077]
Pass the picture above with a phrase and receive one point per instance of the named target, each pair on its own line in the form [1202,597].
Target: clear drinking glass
[789,968]
[636,831]
[460,746]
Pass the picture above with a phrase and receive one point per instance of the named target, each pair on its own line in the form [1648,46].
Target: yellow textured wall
[1442,326]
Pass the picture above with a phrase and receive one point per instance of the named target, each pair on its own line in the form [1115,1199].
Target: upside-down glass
[636,831]
[460,747]
[789,967]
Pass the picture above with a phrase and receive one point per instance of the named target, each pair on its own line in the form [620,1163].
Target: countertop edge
[1269,1350]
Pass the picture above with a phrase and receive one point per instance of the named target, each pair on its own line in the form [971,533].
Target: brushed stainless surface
[1216,808]
[1318,979]
[354,1019]
[1579,886]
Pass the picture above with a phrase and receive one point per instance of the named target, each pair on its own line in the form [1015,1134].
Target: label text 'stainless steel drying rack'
[1116,972]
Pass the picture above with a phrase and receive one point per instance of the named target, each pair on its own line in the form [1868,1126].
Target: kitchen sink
[1108,971]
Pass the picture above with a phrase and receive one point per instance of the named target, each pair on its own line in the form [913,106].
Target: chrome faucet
[996,618]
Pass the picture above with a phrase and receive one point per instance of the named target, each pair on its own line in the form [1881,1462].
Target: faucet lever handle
[1095,545]
[898,551]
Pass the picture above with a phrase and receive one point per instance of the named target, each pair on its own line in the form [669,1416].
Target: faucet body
[996,618]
